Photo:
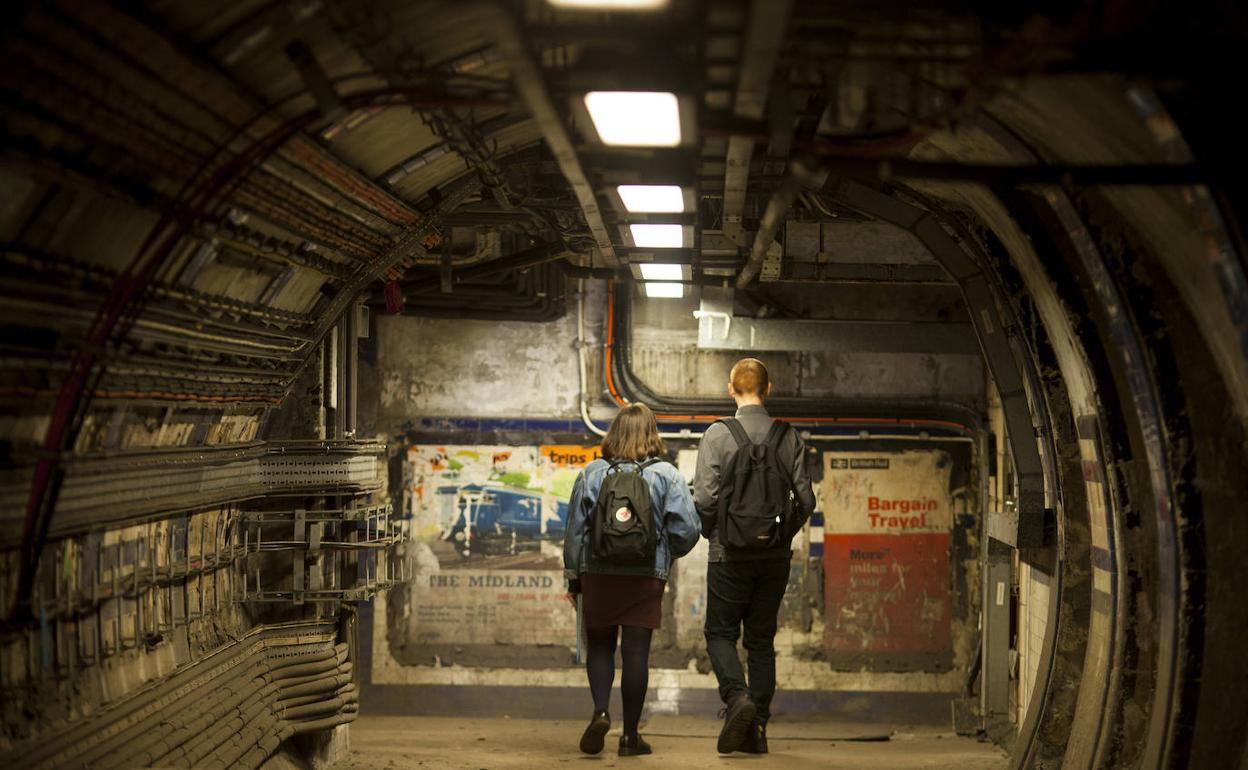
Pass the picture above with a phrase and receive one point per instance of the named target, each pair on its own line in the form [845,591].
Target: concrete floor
[404,743]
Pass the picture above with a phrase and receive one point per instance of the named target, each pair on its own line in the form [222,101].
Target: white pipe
[584,398]
[580,352]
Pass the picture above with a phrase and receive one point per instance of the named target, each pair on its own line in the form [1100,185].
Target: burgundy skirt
[621,600]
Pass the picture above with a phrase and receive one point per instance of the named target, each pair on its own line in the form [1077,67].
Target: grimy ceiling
[193,193]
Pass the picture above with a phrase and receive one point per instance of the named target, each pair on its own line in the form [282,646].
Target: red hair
[749,377]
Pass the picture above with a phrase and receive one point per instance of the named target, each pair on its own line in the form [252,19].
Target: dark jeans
[745,594]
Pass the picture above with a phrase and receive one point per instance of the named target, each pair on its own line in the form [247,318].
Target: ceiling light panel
[652,198]
[635,118]
[658,272]
[665,290]
[657,236]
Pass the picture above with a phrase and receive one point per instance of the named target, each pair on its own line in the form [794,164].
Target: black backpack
[756,493]
[623,526]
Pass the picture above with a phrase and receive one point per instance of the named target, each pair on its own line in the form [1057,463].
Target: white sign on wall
[886,493]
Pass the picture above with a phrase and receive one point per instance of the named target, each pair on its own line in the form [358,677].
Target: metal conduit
[172,716]
[234,719]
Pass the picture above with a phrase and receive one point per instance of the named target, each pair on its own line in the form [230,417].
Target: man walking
[753,494]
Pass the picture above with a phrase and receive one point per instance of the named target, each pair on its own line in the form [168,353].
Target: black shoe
[592,738]
[737,718]
[755,741]
[633,746]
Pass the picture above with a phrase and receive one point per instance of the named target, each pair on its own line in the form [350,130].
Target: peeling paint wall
[432,366]
[487,555]
[666,355]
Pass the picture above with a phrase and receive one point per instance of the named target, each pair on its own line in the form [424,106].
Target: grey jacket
[716,448]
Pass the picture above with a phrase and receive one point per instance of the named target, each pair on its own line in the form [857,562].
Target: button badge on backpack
[622,514]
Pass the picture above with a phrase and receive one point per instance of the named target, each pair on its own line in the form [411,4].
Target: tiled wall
[1033,590]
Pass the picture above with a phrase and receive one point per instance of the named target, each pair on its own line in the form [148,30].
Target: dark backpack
[756,493]
[623,526]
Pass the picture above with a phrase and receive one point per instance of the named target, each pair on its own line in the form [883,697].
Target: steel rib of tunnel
[1173,673]
[1047,551]
[1168,708]
[1232,279]
[1147,411]
[1069,644]
[1044,722]
[1218,242]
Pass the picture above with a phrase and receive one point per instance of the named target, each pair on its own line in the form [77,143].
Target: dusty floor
[405,743]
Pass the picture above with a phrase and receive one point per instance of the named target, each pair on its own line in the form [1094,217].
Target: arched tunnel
[313,312]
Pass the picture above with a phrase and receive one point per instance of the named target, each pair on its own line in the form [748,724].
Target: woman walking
[629,517]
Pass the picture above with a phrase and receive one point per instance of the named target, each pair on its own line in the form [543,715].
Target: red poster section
[887,594]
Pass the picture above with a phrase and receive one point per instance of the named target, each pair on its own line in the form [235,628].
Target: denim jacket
[673,509]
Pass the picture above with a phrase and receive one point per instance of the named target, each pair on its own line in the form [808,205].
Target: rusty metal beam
[528,80]
[766,25]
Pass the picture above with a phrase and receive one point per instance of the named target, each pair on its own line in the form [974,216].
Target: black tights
[600,665]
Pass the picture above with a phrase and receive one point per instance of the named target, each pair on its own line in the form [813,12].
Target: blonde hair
[749,377]
[633,435]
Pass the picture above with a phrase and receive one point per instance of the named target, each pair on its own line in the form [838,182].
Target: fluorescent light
[611,5]
[658,236]
[635,118]
[665,290]
[652,198]
[651,271]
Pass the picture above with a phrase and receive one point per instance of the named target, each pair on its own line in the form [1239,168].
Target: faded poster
[886,560]
[488,525]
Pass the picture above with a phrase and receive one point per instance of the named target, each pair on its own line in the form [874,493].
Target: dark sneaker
[633,746]
[755,741]
[738,715]
[592,738]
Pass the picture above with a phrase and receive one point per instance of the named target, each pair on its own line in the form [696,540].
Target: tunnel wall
[447,367]
[1141,295]
[435,367]
[495,617]
[667,358]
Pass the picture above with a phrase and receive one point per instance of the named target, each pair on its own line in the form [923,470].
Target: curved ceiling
[195,193]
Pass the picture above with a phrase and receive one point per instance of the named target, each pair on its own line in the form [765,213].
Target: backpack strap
[737,431]
[779,429]
[614,465]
